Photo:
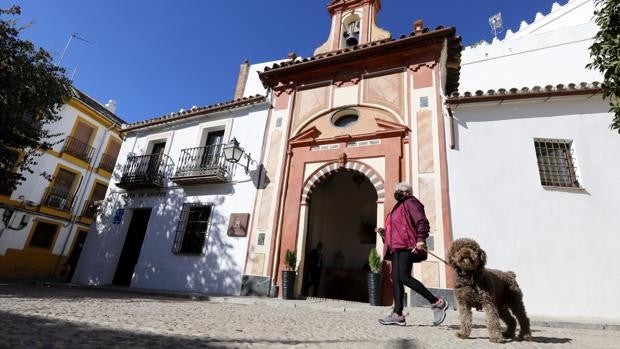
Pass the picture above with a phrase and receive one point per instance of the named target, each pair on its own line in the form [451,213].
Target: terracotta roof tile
[98,107]
[349,49]
[525,92]
[454,54]
[193,111]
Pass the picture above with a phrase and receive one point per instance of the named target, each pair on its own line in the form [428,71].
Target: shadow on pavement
[553,340]
[25,331]
[73,293]
[537,339]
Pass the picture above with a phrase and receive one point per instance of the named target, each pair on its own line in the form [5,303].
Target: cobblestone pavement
[56,317]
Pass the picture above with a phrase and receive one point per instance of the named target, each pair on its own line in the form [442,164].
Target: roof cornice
[214,108]
[371,49]
[525,93]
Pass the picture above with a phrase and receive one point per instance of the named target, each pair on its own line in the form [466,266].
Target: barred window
[555,163]
[193,229]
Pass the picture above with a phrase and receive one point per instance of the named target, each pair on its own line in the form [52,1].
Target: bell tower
[353,23]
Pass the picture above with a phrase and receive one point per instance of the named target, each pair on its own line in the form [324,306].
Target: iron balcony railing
[107,162]
[78,149]
[204,164]
[145,171]
[58,198]
[90,209]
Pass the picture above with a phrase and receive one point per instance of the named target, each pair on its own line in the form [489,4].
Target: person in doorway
[405,233]
[315,267]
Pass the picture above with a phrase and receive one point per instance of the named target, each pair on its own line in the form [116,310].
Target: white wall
[253,85]
[561,243]
[550,51]
[219,270]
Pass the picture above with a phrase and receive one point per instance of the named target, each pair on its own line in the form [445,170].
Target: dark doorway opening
[74,256]
[342,217]
[131,248]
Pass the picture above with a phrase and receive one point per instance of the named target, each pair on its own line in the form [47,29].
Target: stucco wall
[219,269]
[548,51]
[561,243]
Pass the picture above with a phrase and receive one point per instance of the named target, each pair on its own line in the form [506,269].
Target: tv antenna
[496,23]
[71,37]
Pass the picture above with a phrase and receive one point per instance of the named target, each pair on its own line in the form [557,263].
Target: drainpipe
[452,138]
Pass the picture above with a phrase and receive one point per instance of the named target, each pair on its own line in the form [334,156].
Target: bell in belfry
[351,34]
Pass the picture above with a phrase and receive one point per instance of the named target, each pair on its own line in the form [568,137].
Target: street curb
[311,303]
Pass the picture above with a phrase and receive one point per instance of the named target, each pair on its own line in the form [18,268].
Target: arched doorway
[342,216]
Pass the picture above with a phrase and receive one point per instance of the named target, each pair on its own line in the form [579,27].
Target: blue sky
[157,56]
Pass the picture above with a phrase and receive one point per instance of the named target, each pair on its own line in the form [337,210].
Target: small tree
[605,53]
[290,260]
[374,261]
[32,90]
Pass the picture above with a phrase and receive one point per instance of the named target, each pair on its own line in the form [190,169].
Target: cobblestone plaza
[59,317]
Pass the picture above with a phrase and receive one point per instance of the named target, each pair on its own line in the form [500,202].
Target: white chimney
[111,105]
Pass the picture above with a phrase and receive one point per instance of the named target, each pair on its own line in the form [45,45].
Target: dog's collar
[465,279]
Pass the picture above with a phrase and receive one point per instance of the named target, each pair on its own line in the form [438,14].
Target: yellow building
[43,224]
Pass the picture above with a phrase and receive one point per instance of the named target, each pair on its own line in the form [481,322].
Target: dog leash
[436,256]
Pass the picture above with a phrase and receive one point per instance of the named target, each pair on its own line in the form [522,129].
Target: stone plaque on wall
[238,224]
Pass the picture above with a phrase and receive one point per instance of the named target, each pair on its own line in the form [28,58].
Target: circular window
[345,118]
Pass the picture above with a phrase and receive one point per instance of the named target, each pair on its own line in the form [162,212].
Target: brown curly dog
[493,291]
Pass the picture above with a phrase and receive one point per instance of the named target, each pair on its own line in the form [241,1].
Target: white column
[301,246]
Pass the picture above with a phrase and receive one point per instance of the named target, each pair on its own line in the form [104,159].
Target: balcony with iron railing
[203,165]
[145,171]
[90,209]
[79,149]
[59,199]
[107,162]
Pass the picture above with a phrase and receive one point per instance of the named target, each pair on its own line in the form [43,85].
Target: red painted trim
[275,225]
[443,169]
[409,119]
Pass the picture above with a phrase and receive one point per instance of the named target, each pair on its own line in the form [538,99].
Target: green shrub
[374,261]
[290,260]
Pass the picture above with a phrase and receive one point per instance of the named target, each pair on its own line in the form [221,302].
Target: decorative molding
[287,88]
[342,160]
[417,67]
[350,77]
[321,174]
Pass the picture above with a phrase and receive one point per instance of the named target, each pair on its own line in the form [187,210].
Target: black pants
[402,261]
[314,281]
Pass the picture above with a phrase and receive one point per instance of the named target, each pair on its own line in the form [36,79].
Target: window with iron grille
[193,229]
[555,163]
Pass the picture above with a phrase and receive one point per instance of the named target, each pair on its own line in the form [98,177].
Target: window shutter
[113,149]
[83,132]
[99,192]
[64,180]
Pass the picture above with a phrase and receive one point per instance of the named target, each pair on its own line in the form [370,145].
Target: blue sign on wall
[118,216]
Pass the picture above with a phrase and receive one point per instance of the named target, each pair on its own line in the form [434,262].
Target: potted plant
[374,278]
[288,275]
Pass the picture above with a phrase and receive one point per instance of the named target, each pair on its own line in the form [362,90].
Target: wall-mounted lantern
[233,153]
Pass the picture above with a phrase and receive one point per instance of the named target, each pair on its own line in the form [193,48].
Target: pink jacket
[405,225]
